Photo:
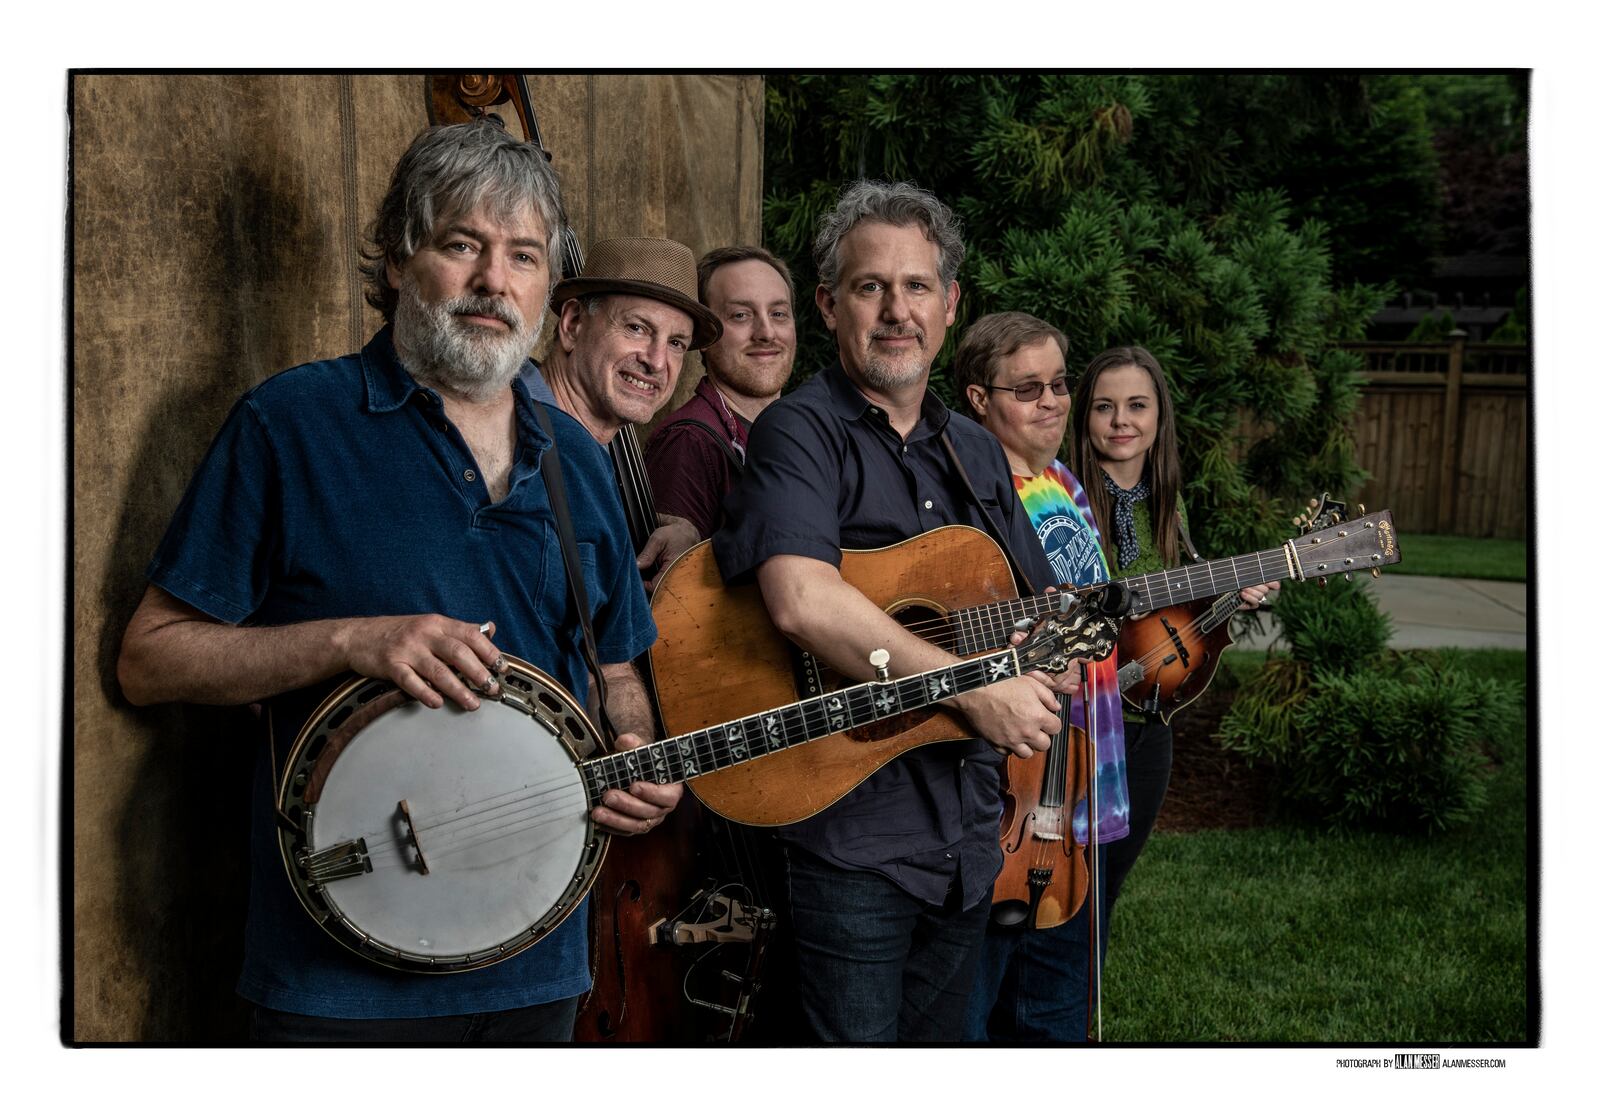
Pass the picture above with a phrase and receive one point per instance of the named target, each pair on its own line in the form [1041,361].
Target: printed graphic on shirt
[1069,543]
[1058,508]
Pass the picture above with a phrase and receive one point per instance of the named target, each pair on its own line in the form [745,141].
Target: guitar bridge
[807,674]
[344,860]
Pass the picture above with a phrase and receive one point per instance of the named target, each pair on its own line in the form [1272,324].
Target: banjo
[438,840]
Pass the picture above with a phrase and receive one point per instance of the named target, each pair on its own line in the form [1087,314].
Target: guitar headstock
[1331,542]
[1057,639]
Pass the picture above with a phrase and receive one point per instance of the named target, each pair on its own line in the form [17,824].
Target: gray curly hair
[448,171]
[896,203]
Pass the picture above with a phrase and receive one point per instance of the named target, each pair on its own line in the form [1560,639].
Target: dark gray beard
[440,351]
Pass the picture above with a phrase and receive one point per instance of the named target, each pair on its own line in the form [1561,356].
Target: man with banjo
[390,513]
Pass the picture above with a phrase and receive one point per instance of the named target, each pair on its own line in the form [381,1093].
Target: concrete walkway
[1443,612]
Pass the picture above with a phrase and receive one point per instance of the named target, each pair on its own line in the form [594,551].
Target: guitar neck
[989,625]
[739,741]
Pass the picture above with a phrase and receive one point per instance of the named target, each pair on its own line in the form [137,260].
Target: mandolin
[1169,656]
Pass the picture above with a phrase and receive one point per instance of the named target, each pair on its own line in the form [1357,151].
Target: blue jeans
[876,964]
[545,1022]
[1033,985]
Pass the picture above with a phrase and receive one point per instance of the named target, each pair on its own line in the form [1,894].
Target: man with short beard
[386,514]
[698,450]
[889,887]
[623,328]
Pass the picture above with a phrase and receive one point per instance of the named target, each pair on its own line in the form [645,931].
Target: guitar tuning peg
[1299,519]
[1336,518]
[1374,574]
[1347,576]
[1322,582]
[880,663]
[1361,509]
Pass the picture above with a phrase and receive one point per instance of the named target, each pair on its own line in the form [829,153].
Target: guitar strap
[550,466]
[720,437]
[988,520]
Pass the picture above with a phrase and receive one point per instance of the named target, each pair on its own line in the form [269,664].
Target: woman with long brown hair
[1126,453]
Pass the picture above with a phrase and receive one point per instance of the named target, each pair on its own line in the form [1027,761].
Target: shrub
[1334,628]
[1400,741]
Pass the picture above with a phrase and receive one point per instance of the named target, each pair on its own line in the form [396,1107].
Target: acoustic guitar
[718,655]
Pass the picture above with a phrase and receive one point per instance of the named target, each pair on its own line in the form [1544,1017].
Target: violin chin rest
[1008,914]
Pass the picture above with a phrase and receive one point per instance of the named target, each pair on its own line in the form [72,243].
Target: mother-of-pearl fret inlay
[774,728]
[940,686]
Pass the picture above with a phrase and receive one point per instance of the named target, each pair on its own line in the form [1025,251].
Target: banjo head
[441,840]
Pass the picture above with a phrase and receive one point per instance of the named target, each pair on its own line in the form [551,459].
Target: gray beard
[440,351]
[880,376]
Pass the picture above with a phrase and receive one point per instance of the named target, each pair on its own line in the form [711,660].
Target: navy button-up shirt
[342,489]
[825,470]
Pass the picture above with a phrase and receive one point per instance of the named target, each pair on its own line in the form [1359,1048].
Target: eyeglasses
[1028,392]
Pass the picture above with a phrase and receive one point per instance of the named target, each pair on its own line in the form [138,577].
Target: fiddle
[1044,878]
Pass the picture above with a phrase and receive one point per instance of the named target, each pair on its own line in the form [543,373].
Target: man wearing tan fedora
[622,330]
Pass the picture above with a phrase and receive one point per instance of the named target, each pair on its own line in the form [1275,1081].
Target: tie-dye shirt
[1059,510]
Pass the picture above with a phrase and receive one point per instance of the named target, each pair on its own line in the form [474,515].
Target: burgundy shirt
[689,472]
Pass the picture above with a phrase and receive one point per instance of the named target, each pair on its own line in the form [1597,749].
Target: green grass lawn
[1442,555]
[1297,935]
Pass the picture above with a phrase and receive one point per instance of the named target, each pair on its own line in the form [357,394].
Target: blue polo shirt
[826,470]
[339,489]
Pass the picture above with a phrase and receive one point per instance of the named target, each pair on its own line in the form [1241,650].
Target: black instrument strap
[988,520]
[720,437]
[550,466]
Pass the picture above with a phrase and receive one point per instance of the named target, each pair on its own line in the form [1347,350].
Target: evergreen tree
[1126,210]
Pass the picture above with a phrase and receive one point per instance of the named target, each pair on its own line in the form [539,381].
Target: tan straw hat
[651,268]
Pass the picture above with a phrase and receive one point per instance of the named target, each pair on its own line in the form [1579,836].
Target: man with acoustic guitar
[386,513]
[889,886]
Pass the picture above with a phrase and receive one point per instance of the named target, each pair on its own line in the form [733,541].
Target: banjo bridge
[344,860]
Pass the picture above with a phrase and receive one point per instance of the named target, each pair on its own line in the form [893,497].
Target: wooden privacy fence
[1443,429]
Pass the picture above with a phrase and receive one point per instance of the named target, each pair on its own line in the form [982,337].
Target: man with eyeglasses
[1011,370]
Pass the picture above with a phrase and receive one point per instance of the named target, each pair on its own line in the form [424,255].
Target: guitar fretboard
[739,741]
[985,626]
